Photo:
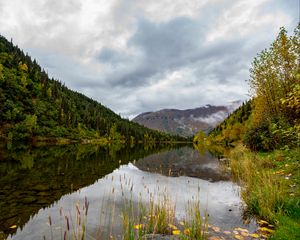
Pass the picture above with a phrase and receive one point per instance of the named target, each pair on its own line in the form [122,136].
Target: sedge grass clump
[157,217]
[262,190]
[195,225]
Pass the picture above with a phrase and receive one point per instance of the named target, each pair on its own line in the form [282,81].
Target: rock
[216,229]
[214,238]
[160,237]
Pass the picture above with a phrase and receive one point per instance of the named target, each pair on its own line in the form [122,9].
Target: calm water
[44,182]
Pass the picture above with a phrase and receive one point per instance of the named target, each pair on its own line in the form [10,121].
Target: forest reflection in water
[33,179]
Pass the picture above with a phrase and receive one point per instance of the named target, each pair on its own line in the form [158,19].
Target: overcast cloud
[137,56]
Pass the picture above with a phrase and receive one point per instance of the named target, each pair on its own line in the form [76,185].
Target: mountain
[186,122]
[34,106]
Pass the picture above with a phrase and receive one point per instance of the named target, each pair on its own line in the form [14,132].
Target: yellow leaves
[227,232]
[172,226]
[245,234]
[241,229]
[240,233]
[264,229]
[13,226]
[254,235]
[238,237]
[181,223]
[262,222]
[214,238]
[138,226]
[23,67]
[279,172]
[176,232]
[187,231]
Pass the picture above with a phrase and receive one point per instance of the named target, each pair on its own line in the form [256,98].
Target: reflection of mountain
[35,178]
[186,122]
[183,162]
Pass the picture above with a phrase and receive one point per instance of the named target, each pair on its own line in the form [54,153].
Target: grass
[139,220]
[71,229]
[270,183]
[195,226]
[158,217]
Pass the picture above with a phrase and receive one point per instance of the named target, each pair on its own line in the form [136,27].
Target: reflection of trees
[33,178]
[218,151]
[200,147]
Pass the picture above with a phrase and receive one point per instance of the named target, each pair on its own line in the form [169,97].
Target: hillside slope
[33,105]
[186,122]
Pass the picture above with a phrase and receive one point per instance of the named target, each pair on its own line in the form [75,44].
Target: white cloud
[136,56]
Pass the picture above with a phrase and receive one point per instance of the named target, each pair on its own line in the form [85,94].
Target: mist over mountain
[186,122]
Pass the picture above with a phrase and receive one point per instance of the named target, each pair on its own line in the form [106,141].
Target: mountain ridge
[186,122]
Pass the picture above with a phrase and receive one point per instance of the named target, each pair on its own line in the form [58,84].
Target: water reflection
[52,174]
[34,178]
[184,162]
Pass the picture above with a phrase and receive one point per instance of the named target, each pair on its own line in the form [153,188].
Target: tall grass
[262,190]
[71,229]
[158,217]
[195,225]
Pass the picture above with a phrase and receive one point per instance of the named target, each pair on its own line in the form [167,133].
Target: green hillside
[34,106]
[233,128]
[271,120]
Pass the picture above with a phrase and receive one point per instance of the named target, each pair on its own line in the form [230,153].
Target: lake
[41,187]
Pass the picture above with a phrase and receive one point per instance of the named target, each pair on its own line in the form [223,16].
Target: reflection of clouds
[185,161]
[107,195]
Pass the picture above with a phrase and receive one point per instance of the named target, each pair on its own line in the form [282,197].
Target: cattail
[79,220]
[65,235]
[68,225]
[77,208]
[50,220]
[86,204]
[60,211]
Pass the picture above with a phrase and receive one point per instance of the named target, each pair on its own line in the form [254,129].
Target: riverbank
[270,187]
[38,141]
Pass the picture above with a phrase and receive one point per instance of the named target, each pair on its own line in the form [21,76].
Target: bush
[274,134]
[256,138]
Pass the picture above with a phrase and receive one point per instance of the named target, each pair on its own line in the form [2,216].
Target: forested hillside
[33,105]
[233,127]
[271,120]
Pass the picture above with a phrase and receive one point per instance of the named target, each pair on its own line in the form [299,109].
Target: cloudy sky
[141,55]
